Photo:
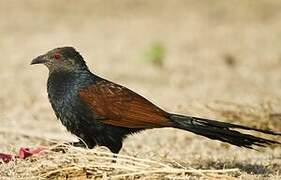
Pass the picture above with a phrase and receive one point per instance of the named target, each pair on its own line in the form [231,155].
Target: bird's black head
[61,59]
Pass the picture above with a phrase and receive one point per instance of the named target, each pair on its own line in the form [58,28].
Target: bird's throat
[62,83]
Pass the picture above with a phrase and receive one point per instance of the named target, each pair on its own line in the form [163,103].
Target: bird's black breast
[63,90]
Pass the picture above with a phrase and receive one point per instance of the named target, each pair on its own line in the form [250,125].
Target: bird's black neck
[65,82]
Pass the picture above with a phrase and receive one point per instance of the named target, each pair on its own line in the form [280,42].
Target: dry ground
[222,60]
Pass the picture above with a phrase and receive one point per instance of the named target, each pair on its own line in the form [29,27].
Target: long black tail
[222,131]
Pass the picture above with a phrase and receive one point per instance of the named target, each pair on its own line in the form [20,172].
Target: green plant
[155,53]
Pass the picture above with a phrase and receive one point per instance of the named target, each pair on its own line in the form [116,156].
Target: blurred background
[218,59]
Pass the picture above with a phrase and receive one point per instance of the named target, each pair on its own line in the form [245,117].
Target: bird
[101,112]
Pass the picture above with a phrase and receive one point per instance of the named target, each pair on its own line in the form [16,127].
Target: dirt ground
[221,59]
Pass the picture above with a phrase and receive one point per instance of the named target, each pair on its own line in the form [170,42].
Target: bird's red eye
[57,56]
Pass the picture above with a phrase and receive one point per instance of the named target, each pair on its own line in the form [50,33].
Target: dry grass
[222,60]
[63,161]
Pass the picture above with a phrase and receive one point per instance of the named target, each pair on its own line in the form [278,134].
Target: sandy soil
[222,61]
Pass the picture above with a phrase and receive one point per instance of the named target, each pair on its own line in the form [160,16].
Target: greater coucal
[103,113]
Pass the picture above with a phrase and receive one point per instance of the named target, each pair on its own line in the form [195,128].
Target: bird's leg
[114,158]
[115,149]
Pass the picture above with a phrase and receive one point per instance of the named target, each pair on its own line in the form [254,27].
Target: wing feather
[122,107]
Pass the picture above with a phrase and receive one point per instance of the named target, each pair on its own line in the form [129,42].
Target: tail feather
[221,131]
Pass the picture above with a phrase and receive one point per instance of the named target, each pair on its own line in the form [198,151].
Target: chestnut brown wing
[120,106]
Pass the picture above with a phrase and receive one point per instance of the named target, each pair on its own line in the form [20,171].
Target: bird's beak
[39,60]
